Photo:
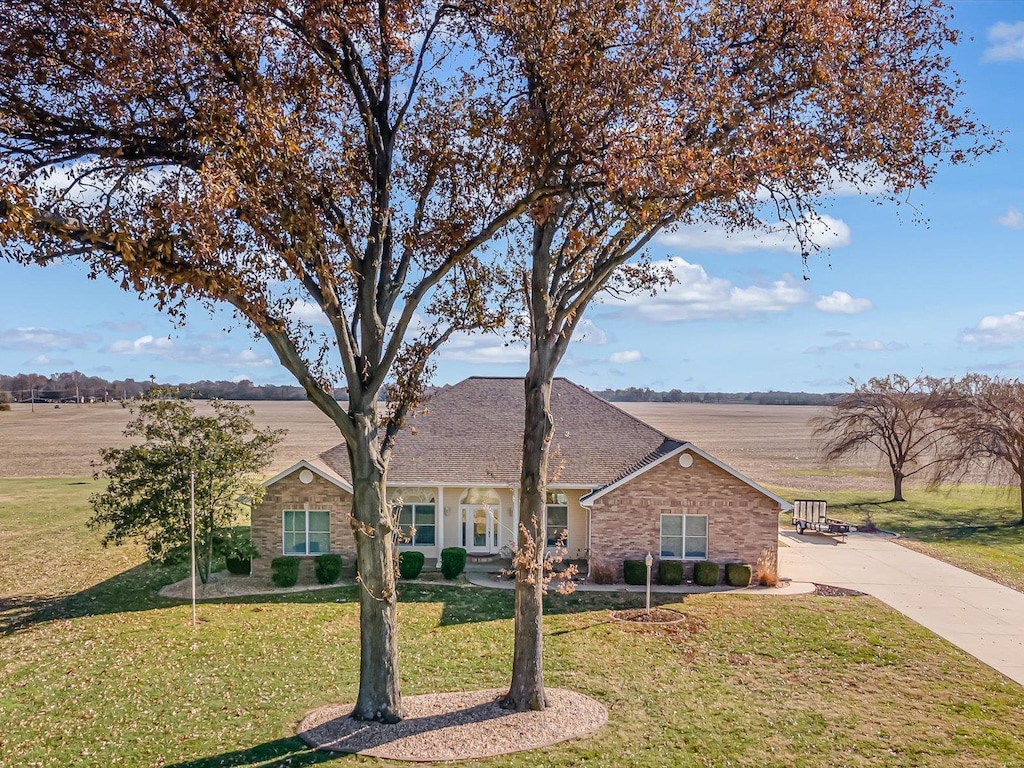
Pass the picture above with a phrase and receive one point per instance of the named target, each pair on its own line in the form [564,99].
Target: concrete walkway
[980,616]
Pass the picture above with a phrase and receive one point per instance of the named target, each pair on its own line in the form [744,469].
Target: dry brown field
[771,444]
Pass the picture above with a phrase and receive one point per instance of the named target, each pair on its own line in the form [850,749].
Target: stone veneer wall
[626,523]
[290,493]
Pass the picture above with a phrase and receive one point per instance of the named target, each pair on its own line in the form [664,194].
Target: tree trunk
[526,690]
[379,697]
[897,485]
[1020,478]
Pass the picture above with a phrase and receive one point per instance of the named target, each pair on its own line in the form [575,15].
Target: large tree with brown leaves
[726,112]
[349,159]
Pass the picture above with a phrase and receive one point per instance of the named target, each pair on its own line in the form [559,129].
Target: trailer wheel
[801,527]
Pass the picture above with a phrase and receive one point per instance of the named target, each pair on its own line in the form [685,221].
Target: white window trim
[307,553]
[565,528]
[412,544]
[684,515]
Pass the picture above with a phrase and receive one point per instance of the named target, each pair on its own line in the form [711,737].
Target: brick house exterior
[290,492]
[618,487]
[626,521]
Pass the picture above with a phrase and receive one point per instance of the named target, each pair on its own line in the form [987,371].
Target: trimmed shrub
[670,572]
[634,572]
[327,568]
[238,566]
[453,561]
[705,573]
[737,574]
[284,571]
[602,574]
[410,564]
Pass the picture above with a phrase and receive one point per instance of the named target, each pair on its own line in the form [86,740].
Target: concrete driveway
[984,618]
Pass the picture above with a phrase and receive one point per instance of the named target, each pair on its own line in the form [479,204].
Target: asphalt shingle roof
[472,432]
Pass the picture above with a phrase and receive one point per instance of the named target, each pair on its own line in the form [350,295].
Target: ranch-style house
[617,489]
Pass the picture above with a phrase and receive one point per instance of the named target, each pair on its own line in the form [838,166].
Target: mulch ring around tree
[654,616]
[462,725]
[827,590]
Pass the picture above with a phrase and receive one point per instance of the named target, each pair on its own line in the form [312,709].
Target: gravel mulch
[463,725]
[827,590]
[654,616]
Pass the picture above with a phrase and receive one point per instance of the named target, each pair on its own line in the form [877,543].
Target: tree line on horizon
[69,386]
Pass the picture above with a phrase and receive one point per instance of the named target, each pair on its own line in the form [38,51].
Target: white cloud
[1012,219]
[627,356]
[483,348]
[1005,42]
[823,231]
[167,349]
[33,338]
[873,345]
[48,361]
[695,295]
[840,302]
[144,345]
[996,331]
[309,313]
[588,333]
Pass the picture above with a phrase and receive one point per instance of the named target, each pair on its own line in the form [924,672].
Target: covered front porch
[484,520]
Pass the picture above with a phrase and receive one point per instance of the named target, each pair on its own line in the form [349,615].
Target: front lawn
[112,675]
[971,526]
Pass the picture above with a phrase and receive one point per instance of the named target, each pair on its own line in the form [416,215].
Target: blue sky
[890,295]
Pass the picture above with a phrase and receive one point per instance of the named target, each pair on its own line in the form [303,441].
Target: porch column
[515,515]
[439,523]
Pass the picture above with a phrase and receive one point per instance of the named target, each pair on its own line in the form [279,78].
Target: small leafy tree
[148,496]
[895,415]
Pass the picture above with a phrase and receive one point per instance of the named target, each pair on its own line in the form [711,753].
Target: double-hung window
[557,524]
[417,524]
[684,537]
[307,531]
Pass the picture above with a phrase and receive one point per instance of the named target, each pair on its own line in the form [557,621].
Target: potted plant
[238,554]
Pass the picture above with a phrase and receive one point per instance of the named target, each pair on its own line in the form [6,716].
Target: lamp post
[649,561]
[192,536]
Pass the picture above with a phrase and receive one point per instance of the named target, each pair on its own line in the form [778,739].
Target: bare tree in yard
[329,170]
[648,114]
[986,418]
[897,416]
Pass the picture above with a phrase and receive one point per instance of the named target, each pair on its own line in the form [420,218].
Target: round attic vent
[305,476]
[685,460]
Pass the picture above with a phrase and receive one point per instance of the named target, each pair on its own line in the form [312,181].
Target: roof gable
[591,497]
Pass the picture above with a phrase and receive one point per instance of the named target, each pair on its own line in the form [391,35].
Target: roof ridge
[624,412]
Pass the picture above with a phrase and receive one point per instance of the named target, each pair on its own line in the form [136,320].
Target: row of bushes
[284,571]
[453,562]
[670,572]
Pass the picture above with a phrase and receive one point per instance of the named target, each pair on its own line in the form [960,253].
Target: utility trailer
[812,514]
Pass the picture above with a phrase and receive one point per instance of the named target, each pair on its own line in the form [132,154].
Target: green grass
[971,526]
[799,681]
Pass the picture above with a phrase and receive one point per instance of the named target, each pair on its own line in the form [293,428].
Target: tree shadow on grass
[292,752]
[136,590]
[131,590]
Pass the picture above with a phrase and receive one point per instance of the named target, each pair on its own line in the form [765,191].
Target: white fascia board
[590,498]
[333,480]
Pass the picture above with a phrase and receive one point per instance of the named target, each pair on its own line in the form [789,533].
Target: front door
[479,532]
